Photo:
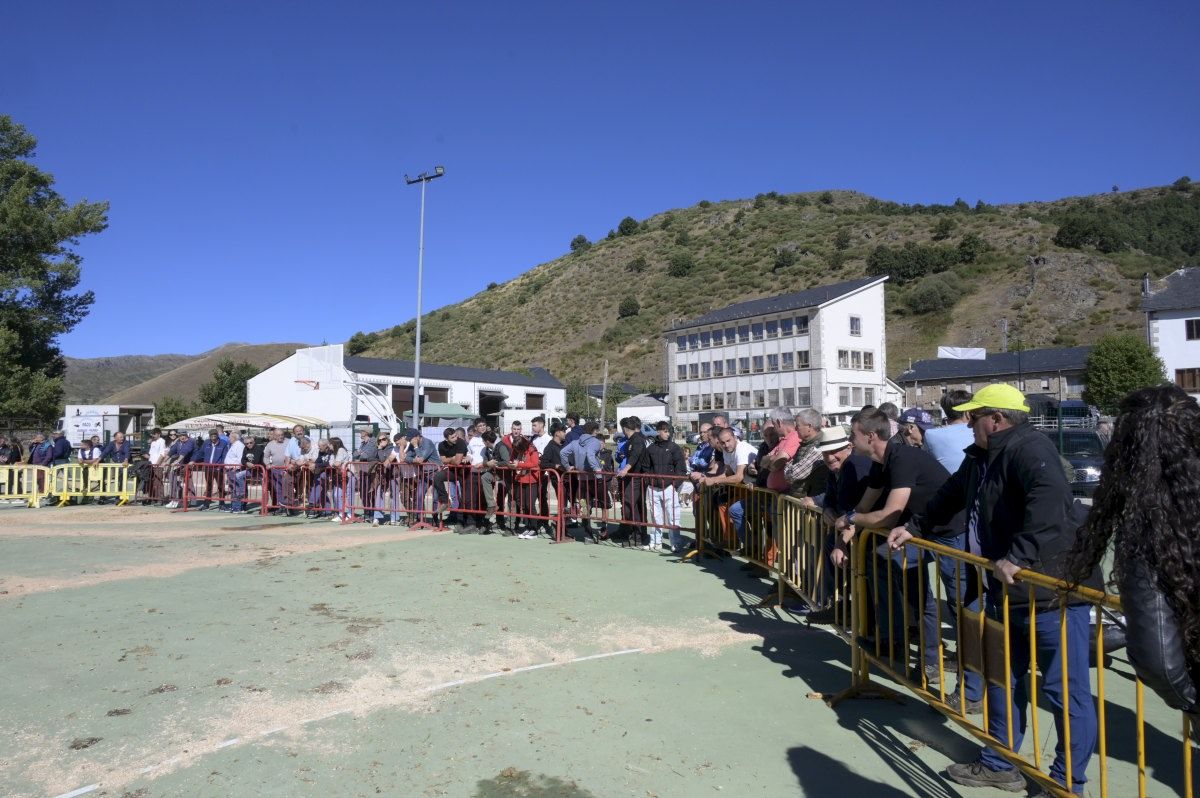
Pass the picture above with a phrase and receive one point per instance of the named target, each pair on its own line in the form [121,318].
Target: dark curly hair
[1148,503]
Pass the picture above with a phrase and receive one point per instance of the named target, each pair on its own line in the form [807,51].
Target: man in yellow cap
[1020,515]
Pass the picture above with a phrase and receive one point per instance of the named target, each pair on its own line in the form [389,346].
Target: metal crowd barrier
[25,483]
[638,504]
[881,608]
[235,487]
[102,481]
[505,494]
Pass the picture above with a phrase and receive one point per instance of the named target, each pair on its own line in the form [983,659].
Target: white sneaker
[374,522]
[171,505]
[337,519]
[647,547]
[527,535]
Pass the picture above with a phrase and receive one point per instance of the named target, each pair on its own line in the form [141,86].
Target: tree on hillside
[226,392]
[580,243]
[943,229]
[681,264]
[784,259]
[971,247]
[825,198]
[38,302]
[628,226]
[1119,365]
[169,409]
[578,401]
[841,241]
[360,342]
[637,265]
[629,307]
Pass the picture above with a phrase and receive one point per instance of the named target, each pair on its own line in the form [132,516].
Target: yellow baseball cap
[999,395]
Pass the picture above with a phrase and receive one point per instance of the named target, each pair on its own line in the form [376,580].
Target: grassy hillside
[957,270]
[184,381]
[90,379]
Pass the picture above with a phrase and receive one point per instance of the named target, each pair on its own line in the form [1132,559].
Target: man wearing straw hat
[1019,516]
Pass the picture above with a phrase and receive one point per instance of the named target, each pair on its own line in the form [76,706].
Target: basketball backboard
[320,368]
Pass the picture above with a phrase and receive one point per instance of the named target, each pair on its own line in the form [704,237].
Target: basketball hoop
[314,384]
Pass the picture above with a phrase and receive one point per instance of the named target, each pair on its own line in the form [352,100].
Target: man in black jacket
[633,486]
[551,460]
[1019,515]
[668,465]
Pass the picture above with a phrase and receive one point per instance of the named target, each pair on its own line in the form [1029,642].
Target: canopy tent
[239,421]
[446,410]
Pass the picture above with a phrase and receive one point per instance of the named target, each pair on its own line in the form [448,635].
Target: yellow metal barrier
[793,543]
[103,481]
[25,483]
[985,640]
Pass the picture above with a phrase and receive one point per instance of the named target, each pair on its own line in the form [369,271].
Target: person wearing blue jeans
[1081,711]
[1019,516]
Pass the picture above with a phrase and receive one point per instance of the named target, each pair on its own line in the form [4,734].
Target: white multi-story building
[1173,326]
[822,348]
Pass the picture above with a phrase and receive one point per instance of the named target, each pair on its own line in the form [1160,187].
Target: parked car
[1084,450]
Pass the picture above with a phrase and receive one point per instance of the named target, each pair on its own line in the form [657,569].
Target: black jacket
[665,457]
[1155,641]
[635,454]
[551,458]
[1026,513]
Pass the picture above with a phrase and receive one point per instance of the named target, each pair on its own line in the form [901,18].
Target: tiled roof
[537,378]
[779,304]
[1180,291]
[596,390]
[1031,361]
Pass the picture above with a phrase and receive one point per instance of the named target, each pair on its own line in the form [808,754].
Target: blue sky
[254,153]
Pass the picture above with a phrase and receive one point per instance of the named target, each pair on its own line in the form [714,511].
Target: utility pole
[423,179]
[604,394]
[1004,335]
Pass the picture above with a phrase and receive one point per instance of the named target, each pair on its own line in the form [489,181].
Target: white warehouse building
[1173,325]
[313,382]
[822,348]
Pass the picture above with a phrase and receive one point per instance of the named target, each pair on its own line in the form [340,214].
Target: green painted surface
[166,635]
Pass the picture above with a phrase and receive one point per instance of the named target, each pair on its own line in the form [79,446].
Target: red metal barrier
[151,484]
[643,506]
[301,488]
[235,487]
[395,491]
[509,493]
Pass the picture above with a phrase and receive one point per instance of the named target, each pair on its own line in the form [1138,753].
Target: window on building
[758,364]
[919,389]
[803,397]
[856,397]
[730,335]
[856,325]
[705,340]
[772,397]
[743,333]
[743,365]
[681,343]
[1045,383]
[744,399]
[718,338]
[694,341]
[694,401]
[1075,385]
[802,325]
[718,401]
[706,369]
[681,404]
[802,359]
[868,396]
[772,329]
[731,367]
[1193,329]
[966,387]
[772,362]
[1188,379]
[789,397]
[683,371]
[756,331]
[533,401]
[789,361]
[843,359]
[868,360]
[694,371]
[760,399]
[730,400]
[843,397]
[785,327]
[706,401]
[855,359]
[718,368]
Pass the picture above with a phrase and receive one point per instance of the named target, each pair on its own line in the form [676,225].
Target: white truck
[84,421]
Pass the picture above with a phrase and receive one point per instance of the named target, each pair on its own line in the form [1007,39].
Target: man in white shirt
[158,447]
[540,438]
[740,460]
[233,463]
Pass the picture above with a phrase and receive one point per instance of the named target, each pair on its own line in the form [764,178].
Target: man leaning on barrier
[1019,516]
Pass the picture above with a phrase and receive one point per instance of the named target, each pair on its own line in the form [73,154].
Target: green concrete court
[157,654]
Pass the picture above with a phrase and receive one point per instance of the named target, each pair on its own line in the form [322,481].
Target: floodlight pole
[423,179]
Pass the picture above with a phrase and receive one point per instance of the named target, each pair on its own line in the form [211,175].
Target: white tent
[237,421]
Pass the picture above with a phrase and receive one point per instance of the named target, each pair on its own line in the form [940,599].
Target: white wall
[647,413]
[834,333]
[1168,336]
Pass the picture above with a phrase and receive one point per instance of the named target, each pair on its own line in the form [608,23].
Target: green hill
[88,380]
[1062,273]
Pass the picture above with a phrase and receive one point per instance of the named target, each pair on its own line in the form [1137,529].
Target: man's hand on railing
[840,555]
[1006,571]
[898,537]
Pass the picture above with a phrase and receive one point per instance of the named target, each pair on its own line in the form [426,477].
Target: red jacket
[528,471]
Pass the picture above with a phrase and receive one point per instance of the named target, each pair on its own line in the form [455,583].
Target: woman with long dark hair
[1147,506]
